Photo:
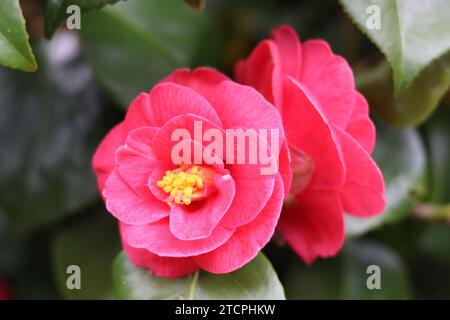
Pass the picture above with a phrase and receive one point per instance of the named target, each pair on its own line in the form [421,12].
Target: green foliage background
[72,86]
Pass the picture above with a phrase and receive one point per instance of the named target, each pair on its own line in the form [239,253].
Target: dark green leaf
[15,51]
[411,34]
[438,136]
[51,123]
[197,4]
[357,257]
[435,243]
[432,262]
[134,44]
[256,280]
[91,244]
[319,281]
[401,157]
[346,276]
[55,11]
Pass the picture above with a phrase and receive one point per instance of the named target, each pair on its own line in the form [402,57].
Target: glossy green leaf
[411,34]
[346,276]
[91,244]
[413,106]
[15,51]
[432,262]
[55,11]
[134,44]
[51,123]
[438,136]
[319,281]
[394,279]
[401,157]
[435,243]
[256,280]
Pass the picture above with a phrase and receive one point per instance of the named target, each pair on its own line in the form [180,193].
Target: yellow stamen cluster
[181,185]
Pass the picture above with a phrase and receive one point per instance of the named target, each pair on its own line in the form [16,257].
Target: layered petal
[243,107]
[135,160]
[314,225]
[360,127]
[248,239]
[307,129]
[202,80]
[139,113]
[157,238]
[330,79]
[103,161]
[127,206]
[167,267]
[290,50]
[262,71]
[180,129]
[169,100]
[253,191]
[363,191]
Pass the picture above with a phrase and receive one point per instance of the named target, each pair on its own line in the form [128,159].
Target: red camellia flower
[4,291]
[176,218]
[330,137]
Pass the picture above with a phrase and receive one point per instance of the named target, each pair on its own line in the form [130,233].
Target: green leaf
[401,157]
[412,34]
[435,243]
[414,105]
[15,51]
[432,262]
[55,11]
[51,123]
[134,44]
[91,244]
[345,276]
[256,280]
[438,136]
[319,281]
[11,254]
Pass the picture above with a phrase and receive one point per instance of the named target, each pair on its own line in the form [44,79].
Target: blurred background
[51,121]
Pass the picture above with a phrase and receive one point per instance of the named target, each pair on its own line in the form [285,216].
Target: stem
[193,286]
[430,211]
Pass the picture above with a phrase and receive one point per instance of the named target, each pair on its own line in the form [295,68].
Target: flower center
[186,183]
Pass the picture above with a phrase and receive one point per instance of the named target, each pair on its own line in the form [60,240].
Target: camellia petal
[290,50]
[167,267]
[307,129]
[127,206]
[248,239]
[330,79]
[103,161]
[202,80]
[157,238]
[363,191]
[314,225]
[360,127]
[169,100]
[198,221]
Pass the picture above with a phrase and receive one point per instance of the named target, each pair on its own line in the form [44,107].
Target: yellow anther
[182,185]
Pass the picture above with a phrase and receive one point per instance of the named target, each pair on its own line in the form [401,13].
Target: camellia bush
[224,149]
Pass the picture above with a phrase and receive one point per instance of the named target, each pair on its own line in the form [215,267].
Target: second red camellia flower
[203,213]
[330,138]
